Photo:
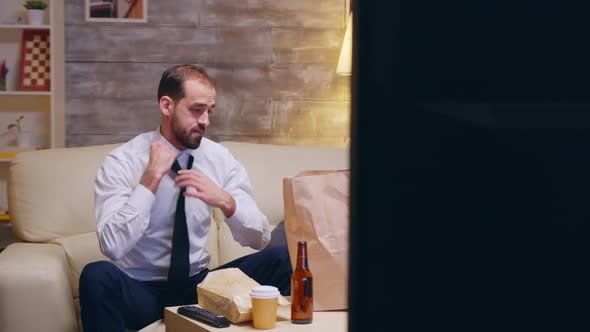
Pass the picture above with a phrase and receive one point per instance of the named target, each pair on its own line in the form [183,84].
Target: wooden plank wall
[273,62]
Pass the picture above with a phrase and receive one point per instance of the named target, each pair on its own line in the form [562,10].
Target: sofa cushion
[212,245]
[228,248]
[80,250]
[83,248]
[51,192]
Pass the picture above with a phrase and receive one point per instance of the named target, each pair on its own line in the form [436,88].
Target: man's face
[190,116]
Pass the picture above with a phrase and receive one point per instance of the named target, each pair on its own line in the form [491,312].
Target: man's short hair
[171,83]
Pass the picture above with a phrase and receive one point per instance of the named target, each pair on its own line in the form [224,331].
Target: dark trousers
[112,301]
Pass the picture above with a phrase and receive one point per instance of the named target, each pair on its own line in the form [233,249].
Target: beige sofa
[51,199]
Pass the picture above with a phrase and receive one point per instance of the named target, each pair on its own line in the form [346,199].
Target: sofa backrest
[51,192]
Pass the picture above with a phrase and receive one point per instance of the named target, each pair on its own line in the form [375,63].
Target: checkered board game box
[35,61]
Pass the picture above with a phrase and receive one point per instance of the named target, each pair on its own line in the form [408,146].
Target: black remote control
[203,315]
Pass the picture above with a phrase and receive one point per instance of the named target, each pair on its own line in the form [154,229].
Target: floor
[6,235]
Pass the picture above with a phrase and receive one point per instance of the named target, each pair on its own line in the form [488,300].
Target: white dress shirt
[135,225]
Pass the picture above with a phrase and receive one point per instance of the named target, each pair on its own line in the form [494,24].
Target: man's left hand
[206,190]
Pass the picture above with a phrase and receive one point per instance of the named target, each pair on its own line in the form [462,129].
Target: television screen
[494,50]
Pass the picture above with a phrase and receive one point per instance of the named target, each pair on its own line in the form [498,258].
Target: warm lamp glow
[345,60]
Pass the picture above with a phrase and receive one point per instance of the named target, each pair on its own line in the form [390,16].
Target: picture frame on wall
[122,11]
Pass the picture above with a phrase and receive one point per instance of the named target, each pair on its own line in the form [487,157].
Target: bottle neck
[302,256]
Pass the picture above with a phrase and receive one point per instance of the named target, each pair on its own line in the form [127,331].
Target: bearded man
[154,196]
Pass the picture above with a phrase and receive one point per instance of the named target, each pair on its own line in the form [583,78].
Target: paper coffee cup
[265,301]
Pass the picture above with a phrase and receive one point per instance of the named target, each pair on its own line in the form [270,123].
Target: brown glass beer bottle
[301,288]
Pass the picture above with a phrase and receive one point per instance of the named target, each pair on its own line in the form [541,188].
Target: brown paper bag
[317,211]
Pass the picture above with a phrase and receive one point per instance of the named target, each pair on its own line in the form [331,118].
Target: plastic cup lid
[264,292]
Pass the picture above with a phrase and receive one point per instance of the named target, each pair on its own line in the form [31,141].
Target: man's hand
[206,190]
[161,159]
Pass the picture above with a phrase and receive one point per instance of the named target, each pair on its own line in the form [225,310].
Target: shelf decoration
[35,11]
[35,71]
[3,73]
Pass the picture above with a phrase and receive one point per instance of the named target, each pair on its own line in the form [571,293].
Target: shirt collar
[181,155]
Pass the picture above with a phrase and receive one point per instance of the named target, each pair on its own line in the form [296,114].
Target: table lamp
[345,60]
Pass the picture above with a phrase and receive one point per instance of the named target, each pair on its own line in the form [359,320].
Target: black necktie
[178,273]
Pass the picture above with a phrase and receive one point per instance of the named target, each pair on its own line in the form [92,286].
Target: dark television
[470,192]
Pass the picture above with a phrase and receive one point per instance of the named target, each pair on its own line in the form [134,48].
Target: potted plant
[23,138]
[16,124]
[35,11]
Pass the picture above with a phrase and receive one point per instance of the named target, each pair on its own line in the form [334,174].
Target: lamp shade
[345,59]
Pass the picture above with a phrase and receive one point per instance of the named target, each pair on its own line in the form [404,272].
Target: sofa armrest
[35,293]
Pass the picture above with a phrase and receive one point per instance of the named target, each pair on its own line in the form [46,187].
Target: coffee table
[333,321]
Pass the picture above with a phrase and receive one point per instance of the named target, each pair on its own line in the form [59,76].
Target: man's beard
[185,138]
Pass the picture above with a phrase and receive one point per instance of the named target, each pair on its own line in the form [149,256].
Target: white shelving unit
[25,93]
[43,111]
[25,26]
